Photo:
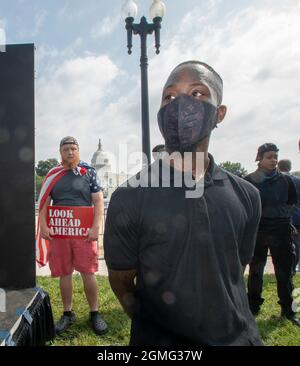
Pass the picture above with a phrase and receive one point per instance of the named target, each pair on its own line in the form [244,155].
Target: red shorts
[65,255]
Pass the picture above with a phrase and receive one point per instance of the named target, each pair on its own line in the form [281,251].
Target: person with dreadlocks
[278,196]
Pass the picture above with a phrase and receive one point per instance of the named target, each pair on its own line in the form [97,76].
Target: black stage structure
[25,311]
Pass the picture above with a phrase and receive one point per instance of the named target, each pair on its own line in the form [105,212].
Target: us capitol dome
[109,180]
[100,161]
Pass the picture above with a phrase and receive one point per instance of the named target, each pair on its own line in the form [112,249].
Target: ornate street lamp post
[129,12]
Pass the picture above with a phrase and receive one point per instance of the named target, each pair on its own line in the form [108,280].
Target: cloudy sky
[88,86]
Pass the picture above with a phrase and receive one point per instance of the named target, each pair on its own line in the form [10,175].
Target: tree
[296,173]
[234,168]
[44,166]
[38,184]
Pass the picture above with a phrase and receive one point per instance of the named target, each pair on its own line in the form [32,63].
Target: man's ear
[222,109]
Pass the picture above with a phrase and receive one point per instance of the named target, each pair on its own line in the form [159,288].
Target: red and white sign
[70,221]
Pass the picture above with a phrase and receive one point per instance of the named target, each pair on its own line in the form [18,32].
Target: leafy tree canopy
[234,168]
[44,166]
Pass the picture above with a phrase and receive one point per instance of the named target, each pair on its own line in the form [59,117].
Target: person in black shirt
[278,195]
[285,166]
[175,259]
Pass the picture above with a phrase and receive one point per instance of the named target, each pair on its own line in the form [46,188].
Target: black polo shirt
[188,253]
[278,193]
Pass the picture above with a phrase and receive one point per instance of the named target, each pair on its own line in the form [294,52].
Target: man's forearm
[127,300]
[124,288]
[98,210]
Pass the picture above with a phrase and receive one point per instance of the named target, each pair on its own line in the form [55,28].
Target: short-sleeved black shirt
[189,254]
[277,195]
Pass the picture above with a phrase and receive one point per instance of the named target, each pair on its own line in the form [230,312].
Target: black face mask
[185,122]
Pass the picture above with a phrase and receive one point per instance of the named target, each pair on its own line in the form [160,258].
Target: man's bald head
[199,72]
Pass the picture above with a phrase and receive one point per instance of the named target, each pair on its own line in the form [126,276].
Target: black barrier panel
[17,217]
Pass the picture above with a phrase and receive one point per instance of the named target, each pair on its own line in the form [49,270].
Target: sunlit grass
[274,330]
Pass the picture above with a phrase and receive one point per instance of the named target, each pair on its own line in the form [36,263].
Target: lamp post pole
[143,29]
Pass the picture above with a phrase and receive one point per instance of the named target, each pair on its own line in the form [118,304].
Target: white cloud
[48,57]
[3,22]
[257,55]
[73,11]
[256,52]
[39,21]
[70,101]
[40,18]
[2,39]
[106,26]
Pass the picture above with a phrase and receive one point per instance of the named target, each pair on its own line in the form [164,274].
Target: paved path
[45,271]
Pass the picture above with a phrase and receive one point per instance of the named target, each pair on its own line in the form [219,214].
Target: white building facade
[109,180]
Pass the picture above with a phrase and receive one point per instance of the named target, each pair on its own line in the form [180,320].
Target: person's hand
[92,234]
[294,230]
[46,233]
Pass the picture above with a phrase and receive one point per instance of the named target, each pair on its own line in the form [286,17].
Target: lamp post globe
[129,9]
[157,9]
[143,29]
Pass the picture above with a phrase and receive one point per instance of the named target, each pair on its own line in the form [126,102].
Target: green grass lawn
[274,330]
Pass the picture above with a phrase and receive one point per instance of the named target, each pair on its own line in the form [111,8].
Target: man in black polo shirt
[278,195]
[176,257]
[285,166]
